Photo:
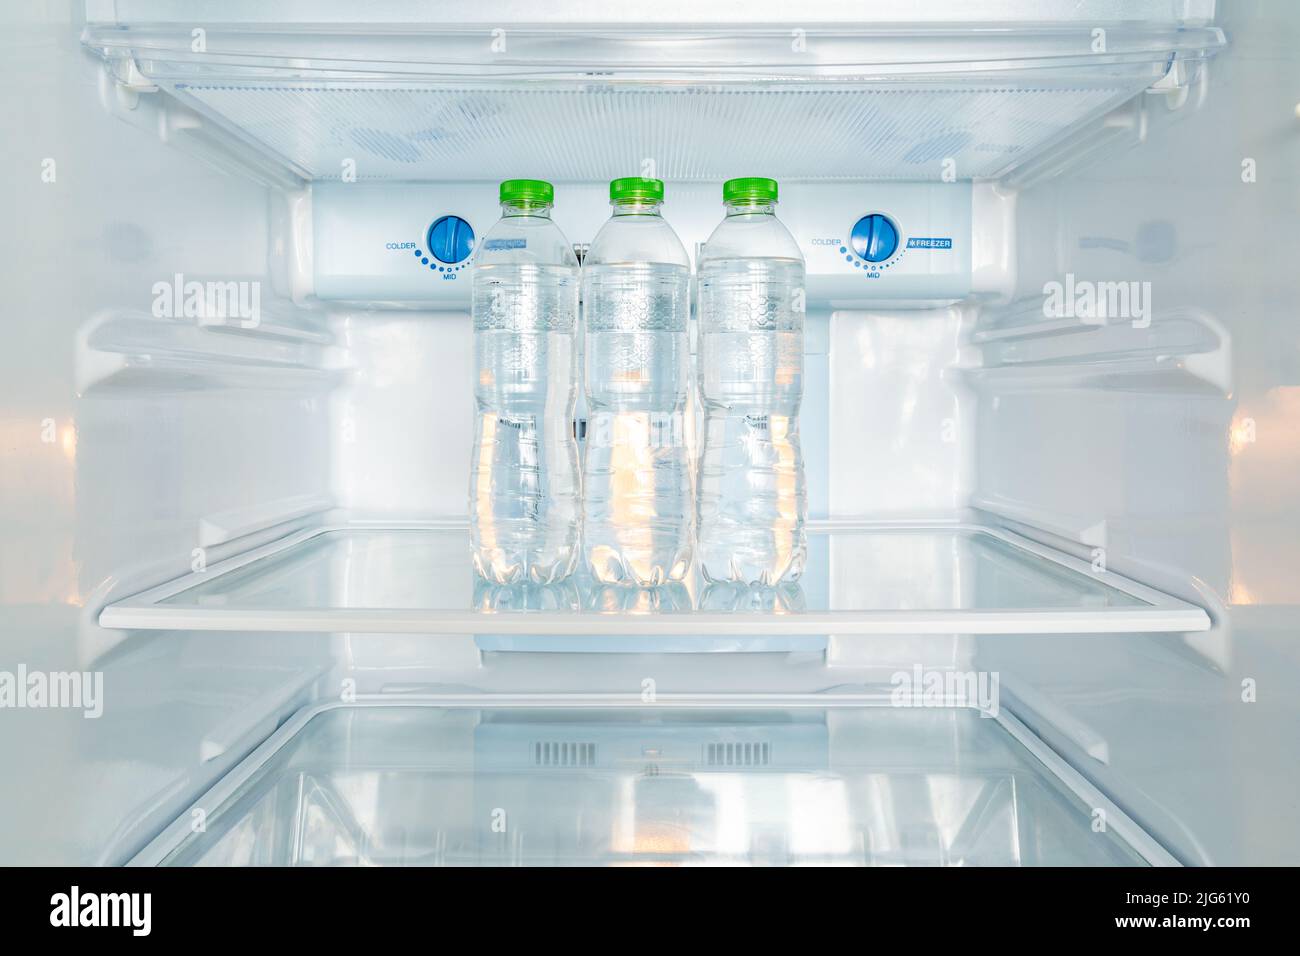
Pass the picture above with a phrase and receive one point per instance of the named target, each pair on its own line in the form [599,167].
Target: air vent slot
[565,753]
[738,754]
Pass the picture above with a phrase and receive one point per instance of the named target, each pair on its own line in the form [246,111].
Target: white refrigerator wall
[129,441]
[1171,451]
[141,442]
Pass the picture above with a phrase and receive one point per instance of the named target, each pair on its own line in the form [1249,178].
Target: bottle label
[495,244]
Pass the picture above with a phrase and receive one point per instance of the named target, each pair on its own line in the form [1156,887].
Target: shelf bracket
[130,82]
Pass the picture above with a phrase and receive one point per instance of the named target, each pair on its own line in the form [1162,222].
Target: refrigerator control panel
[895,244]
[412,244]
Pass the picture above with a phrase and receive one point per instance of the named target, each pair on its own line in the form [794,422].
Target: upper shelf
[864,579]
[585,102]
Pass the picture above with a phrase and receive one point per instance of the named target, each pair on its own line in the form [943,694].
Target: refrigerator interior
[1049,615]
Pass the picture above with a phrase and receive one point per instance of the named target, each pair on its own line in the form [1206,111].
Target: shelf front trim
[1160,612]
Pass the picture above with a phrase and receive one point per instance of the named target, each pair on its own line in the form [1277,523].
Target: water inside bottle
[524,481]
[752,497]
[637,476]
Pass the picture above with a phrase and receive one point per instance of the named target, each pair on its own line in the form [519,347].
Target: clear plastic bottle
[638,507]
[524,490]
[752,501]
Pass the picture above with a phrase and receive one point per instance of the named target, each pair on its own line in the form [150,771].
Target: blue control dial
[875,237]
[451,240]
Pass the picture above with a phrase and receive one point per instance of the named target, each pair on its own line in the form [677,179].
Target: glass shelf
[853,100]
[893,579]
[400,783]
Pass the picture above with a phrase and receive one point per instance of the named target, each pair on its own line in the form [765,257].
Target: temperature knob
[875,237]
[451,240]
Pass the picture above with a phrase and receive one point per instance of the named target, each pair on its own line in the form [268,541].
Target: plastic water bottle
[752,502]
[638,507]
[524,489]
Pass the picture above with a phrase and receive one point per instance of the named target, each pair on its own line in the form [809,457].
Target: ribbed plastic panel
[689,133]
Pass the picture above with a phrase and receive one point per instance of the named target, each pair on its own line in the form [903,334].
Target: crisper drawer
[567,781]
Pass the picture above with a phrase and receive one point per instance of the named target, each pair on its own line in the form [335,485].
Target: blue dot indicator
[424,262]
[842,249]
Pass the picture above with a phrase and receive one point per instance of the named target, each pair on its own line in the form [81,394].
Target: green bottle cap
[636,189]
[749,189]
[527,192]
